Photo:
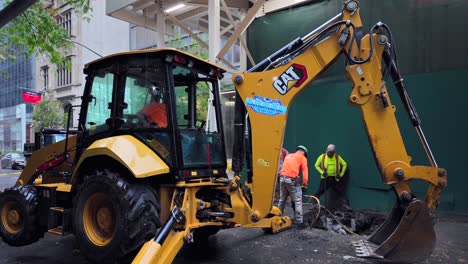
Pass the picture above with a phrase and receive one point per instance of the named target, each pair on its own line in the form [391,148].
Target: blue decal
[266,106]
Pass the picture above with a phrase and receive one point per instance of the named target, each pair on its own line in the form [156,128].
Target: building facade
[15,115]
[100,36]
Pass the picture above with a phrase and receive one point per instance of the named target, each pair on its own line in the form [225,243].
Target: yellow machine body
[139,159]
[274,90]
[267,96]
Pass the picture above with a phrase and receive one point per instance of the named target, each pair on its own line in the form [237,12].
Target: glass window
[145,99]
[202,144]
[64,74]
[99,104]
[145,104]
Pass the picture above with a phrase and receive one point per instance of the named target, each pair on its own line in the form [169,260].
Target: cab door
[98,110]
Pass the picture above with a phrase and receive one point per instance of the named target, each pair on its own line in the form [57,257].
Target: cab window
[99,104]
[202,144]
[145,99]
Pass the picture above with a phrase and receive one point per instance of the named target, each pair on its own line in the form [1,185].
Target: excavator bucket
[407,236]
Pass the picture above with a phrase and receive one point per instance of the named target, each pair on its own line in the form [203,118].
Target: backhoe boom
[264,95]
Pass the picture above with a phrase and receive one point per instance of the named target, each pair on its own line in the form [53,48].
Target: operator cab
[165,98]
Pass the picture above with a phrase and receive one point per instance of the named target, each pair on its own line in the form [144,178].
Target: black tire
[21,202]
[135,217]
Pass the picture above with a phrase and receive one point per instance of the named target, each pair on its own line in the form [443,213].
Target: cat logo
[294,76]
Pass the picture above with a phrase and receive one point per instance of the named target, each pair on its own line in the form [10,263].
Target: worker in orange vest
[290,182]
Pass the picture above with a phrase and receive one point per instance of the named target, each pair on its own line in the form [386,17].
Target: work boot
[300,226]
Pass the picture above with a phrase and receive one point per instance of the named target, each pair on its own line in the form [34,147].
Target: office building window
[64,74]
[45,76]
[65,21]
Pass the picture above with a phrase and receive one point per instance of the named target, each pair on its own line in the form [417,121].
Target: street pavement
[8,178]
[241,245]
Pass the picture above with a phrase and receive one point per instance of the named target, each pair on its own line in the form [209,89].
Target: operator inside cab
[155,114]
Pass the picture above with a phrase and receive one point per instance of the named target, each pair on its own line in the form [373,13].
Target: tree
[48,114]
[37,30]
[203,90]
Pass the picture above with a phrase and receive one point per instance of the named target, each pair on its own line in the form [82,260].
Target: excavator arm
[264,96]
[269,88]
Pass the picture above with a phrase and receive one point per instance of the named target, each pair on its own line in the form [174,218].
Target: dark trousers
[330,182]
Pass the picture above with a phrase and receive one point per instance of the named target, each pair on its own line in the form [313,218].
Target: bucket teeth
[407,236]
[365,249]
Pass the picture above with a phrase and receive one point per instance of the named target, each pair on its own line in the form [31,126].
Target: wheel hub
[104,218]
[11,218]
[98,219]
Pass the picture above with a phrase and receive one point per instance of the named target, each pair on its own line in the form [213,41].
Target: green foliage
[193,47]
[203,90]
[203,94]
[48,114]
[37,31]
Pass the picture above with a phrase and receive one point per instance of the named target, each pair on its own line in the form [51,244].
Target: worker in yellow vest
[332,168]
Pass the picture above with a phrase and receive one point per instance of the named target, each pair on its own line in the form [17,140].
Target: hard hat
[331,148]
[303,148]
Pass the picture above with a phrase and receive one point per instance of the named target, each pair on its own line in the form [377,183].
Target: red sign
[32,97]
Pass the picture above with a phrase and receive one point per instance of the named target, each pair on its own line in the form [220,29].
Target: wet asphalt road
[247,245]
[8,178]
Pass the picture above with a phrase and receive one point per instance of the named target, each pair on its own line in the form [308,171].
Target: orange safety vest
[157,113]
[338,168]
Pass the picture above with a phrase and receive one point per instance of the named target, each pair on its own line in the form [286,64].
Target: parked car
[13,161]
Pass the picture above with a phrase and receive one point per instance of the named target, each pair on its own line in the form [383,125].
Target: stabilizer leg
[167,243]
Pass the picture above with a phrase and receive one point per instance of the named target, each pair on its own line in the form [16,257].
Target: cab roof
[161,52]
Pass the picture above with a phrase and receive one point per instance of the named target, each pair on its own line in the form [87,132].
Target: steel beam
[14,9]
[214,37]
[241,38]
[242,26]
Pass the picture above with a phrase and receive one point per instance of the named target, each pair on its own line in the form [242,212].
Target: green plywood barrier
[434,60]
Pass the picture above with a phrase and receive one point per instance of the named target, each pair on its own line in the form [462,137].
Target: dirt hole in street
[360,222]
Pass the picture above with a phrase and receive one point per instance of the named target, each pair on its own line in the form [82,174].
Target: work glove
[325,174]
[338,178]
[304,188]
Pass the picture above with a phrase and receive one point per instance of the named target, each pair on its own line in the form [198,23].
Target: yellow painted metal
[148,253]
[43,155]
[382,127]
[155,51]
[184,195]
[64,188]
[139,159]
[152,252]
[11,218]
[267,138]
[99,219]
[275,223]
[60,187]
[268,131]
[56,231]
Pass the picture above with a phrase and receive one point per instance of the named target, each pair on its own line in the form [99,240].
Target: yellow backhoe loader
[146,174]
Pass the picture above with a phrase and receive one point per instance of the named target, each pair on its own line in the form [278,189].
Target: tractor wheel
[114,217]
[19,216]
